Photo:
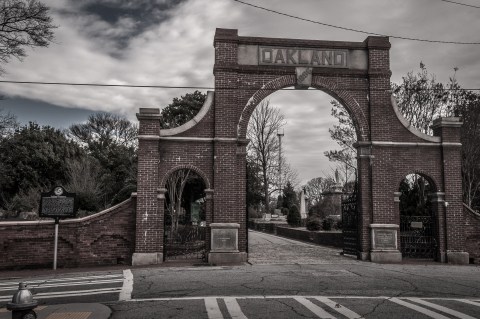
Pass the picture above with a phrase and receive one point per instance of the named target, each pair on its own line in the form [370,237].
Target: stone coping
[224,225]
[394,226]
[68,221]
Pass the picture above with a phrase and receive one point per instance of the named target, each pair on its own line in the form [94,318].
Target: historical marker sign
[58,203]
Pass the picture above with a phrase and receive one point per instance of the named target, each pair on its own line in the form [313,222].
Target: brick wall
[472,234]
[105,238]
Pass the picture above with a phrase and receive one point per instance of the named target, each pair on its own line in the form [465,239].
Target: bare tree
[345,136]
[316,187]
[175,186]
[264,124]
[103,129]
[23,23]
[8,123]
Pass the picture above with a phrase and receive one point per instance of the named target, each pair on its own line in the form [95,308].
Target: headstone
[303,212]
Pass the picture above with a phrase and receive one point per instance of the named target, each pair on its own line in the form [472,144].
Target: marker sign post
[57,203]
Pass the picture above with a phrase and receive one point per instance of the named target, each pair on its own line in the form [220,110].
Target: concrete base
[458,258]
[385,256]
[226,258]
[363,256]
[141,259]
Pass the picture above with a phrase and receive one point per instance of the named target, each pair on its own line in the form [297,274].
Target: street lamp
[280,135]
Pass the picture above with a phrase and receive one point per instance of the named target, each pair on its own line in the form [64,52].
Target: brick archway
[357,74]
[318,82]
[197,171]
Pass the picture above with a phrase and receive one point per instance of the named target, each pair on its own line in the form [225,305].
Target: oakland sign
[303,57]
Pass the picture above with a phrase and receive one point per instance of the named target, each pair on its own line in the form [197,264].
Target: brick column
[208,214]
[364,171]
[438,207]
[149,221]
[449,130]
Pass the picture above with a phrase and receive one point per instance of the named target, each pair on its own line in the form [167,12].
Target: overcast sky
[161,42]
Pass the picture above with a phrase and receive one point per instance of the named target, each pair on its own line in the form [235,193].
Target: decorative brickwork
[388,149]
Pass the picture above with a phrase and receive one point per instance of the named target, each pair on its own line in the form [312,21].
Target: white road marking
[470,302]
[127,288]
[63,284]
[339,308]
[31,282]
[213,310]
[314,308]
[425,311]
[234,308]
[60,294]
[441,308]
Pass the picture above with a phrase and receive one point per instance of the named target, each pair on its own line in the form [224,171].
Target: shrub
[294,218]
[314,223]
[327,223]
[285,211]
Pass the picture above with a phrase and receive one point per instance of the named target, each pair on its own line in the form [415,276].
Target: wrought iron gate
[349,224]
[185,242]
[417,236]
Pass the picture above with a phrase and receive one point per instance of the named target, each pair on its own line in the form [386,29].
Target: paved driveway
[269,249]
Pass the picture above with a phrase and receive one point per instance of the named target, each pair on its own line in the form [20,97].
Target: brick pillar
[449,130]
[149,221]
[364,169]
[208,214]
[396,201]
[438,207]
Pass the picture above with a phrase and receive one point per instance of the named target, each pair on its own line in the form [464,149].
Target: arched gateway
[213,144]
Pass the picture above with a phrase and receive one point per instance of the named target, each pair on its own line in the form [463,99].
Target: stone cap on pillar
[448,128]
[148,114]
[446,122]
[225,225]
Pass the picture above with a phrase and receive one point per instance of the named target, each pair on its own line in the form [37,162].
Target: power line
[462,4]
[188,87]
[351,29]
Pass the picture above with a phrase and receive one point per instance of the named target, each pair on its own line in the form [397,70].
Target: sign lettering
[57,205]
[332,58]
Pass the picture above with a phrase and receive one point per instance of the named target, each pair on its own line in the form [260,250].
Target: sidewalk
[67,311]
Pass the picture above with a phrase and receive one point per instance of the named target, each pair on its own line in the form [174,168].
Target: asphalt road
[284,279]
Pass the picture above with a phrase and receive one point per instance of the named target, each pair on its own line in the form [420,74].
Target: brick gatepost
[357,74]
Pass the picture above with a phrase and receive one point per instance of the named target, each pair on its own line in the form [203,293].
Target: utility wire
[462,4]
[187,87]
[351,29]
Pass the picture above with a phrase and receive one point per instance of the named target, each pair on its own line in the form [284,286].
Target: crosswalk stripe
[314,308]
[9,283]
[63,284]
[441,308]
[60,294]
[425,311]
[339,308]
[234,308]
[213,310]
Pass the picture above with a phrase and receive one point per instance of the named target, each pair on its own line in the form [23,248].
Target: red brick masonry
[105,238]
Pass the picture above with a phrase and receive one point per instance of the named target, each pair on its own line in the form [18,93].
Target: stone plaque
[224,239]
[385,239]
